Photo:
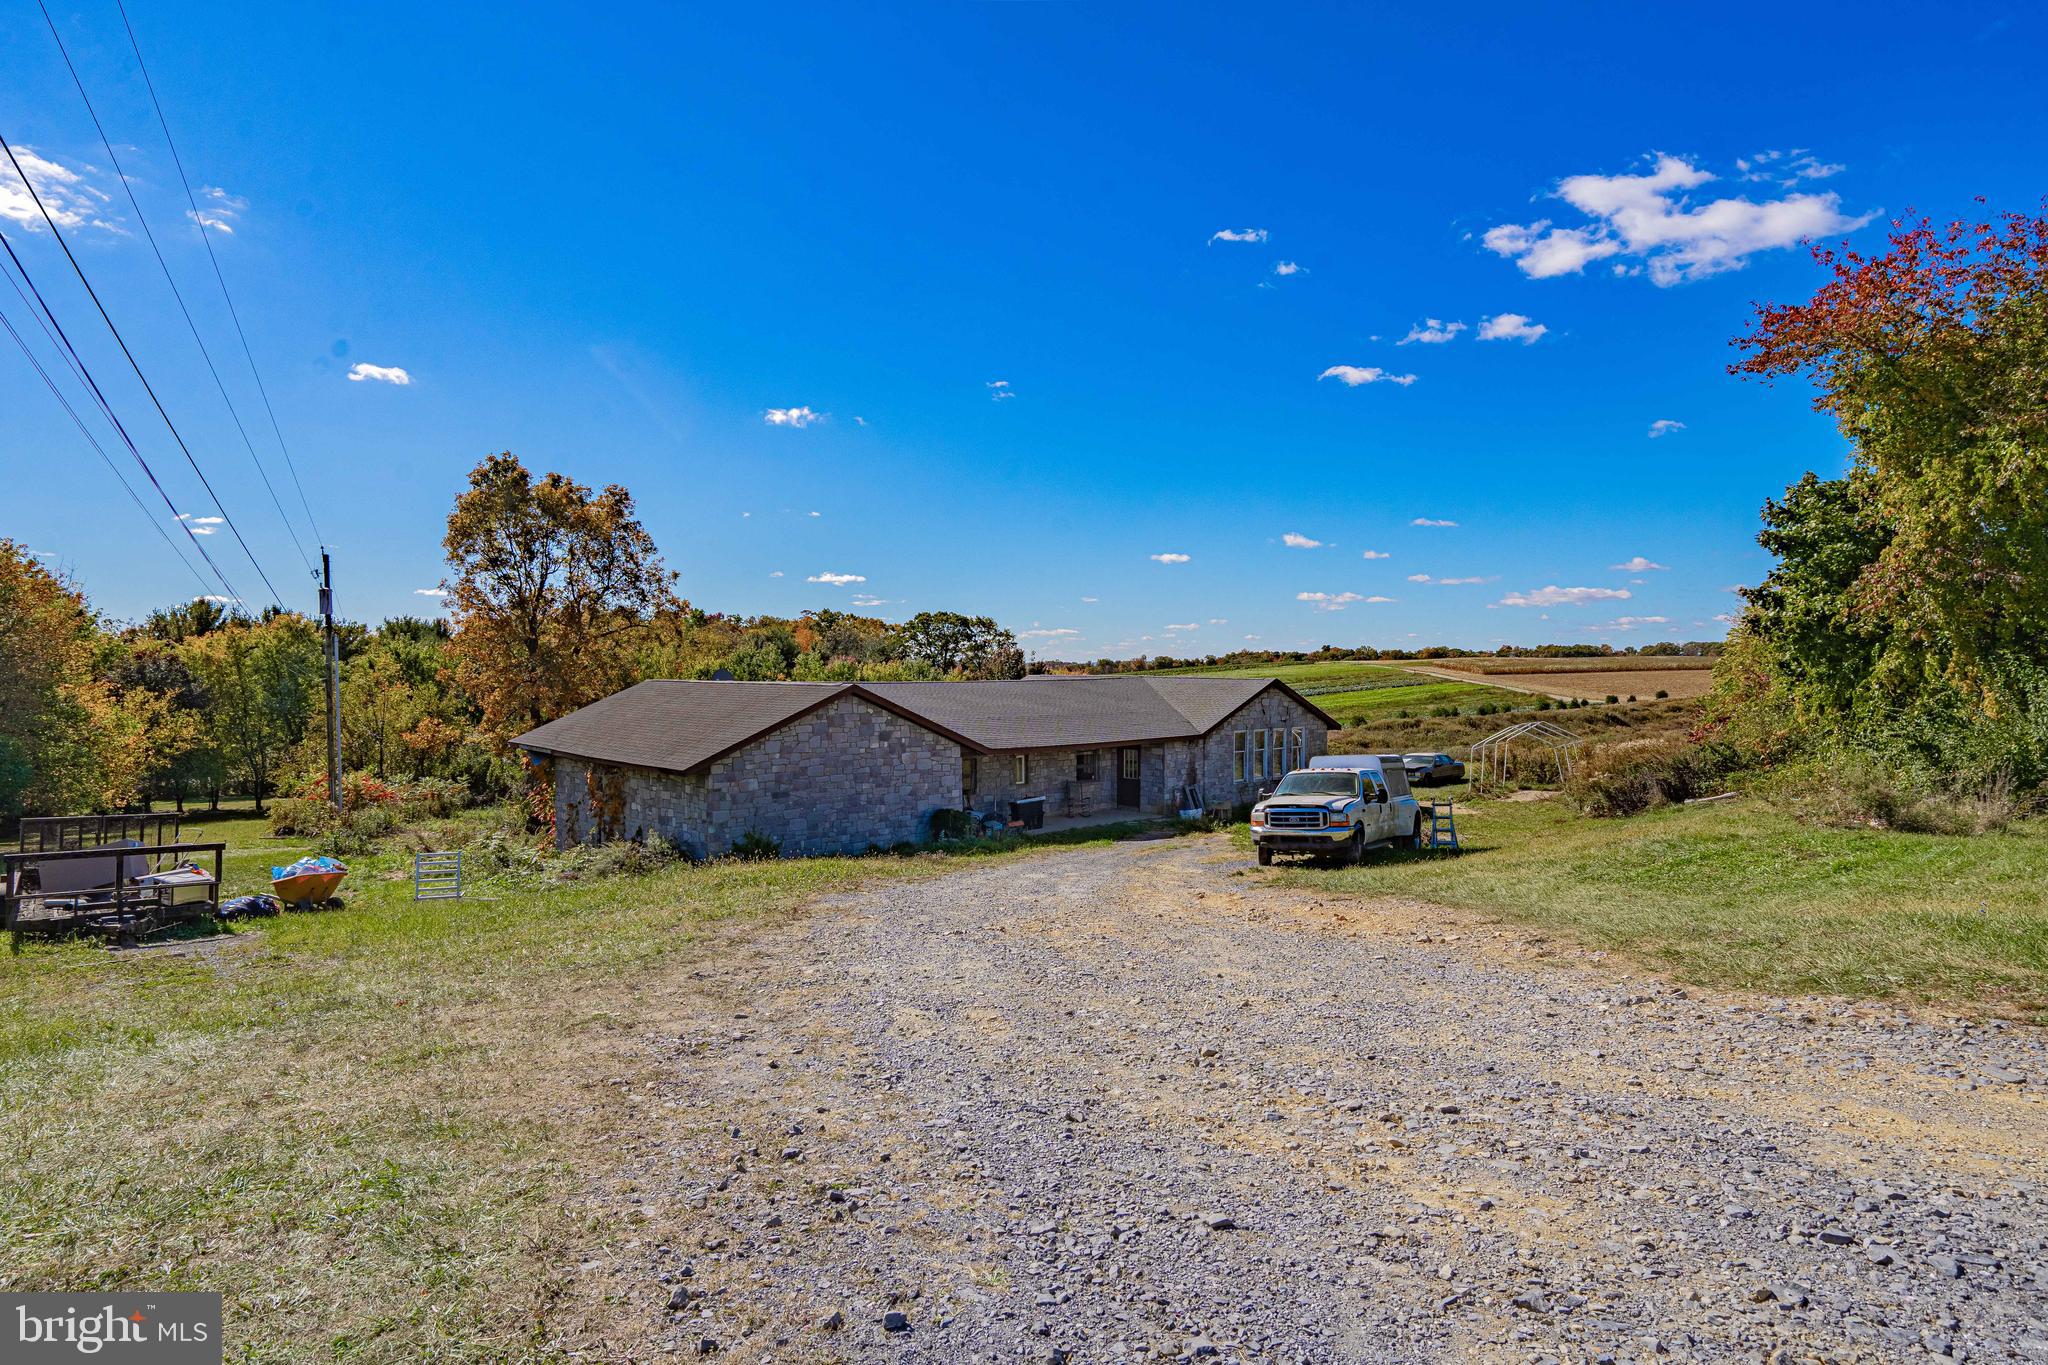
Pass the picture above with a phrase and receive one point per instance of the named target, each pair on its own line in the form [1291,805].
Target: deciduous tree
[550,589]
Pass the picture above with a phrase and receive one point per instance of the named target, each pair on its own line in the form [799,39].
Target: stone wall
[649,802]
[1050,775]
[1269,710]
[845,776]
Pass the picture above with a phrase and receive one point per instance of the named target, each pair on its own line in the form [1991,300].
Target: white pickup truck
[1340,804]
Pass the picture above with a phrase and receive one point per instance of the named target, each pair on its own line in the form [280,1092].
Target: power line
[176,293]
[92,293]
[247,354]
[78,364]
[99,449]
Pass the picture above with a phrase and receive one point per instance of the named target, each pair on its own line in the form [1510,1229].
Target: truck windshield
[1317,784]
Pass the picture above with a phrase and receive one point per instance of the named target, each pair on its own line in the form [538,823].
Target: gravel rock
[1028,1090]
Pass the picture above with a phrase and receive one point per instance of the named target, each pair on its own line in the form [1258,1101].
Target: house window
[1240,742]
[1281,765]
[1300,747]
[1020,769]
[1084,766]
[1258,753]
[970,773]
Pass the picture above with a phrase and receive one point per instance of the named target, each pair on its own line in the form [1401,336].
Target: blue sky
[975,251]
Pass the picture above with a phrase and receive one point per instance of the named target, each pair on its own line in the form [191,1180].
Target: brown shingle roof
[679,725]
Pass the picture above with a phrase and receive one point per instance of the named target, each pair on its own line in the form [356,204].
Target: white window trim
[1241,754]
[1020,770]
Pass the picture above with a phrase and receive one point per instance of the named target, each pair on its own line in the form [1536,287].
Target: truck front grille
[1285,817]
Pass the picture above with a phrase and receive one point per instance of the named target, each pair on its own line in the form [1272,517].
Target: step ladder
[1443,829]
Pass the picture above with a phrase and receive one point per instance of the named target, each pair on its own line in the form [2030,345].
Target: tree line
[556,596]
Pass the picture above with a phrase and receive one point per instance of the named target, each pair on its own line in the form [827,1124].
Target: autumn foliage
[1933,359]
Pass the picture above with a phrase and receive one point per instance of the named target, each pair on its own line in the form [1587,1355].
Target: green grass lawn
[360,1124]
[1737,894]
[1342,672]
[1381,703]
[1363,693]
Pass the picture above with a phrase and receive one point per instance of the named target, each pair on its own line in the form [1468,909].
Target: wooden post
[333,644]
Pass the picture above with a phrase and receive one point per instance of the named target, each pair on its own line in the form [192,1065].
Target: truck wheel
[1265,857]
[1355,853]
[1420,839]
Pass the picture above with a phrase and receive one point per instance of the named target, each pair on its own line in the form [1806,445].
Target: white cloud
[859,420]
[1418,578]
[1218,621]
[1251,637]
[862,599]
[1056,633]
[1664,426]
[1651,219]
[382,374]
[1625,623]
[1431,332]
[1377,554]
[793,417]
[1725,619]
[1238,235]
[1511,327]
[1287,268]
[1091,599]
[211,221]
[1328,601]
[216,598]
[1554,596]
[430,592]
[70,196]
[1186,625]
[1787,168]
[1459,582]
[1296,540]
[814,514]
[777,573]
[1172,558]
[837,580]
[1431,521]
[1354,375]
[1637,565]
[999,389]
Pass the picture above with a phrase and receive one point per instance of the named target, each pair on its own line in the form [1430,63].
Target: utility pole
[333,681]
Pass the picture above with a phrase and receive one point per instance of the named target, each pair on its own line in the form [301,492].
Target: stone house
[839,767]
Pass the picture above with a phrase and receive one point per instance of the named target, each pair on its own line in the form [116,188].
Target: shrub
[1634,775]
[300,815]
[1443,711]
[1662,694]
[952,824]
[1631,696]
[1851,788]
[620,857]
[754,846]
[1611,699]
[357,830]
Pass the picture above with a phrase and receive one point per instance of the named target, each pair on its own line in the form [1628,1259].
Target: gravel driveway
[1138,1103]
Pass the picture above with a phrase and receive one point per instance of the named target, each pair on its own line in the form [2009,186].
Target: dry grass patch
[368,1128]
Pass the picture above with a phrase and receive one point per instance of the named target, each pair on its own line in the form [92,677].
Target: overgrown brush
[1630,776]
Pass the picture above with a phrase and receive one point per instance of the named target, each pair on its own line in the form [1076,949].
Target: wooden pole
[333,646]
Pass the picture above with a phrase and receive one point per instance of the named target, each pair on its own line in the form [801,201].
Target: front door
[1127,777]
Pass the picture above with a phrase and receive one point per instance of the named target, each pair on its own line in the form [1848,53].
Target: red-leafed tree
[1933,359]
